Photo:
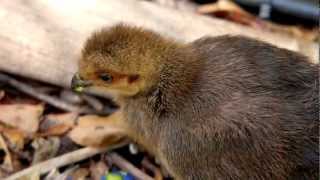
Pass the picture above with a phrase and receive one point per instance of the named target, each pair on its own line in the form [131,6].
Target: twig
[63,160]
[156,171]
[93,102]
[106,110]
[98,107]
[127,166]
[2,94]
[38,94]
[20,154]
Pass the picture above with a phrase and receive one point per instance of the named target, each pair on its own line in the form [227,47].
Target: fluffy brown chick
[224,107]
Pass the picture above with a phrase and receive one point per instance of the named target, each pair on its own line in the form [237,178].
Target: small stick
[106,110]
[4,172]
[156,171]
[2,94]
[127,166]
[63,160]
[95,103]
[37,94]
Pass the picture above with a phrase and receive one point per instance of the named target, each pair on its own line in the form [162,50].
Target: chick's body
[224,107]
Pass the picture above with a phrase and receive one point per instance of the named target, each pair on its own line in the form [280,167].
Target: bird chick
[226,107]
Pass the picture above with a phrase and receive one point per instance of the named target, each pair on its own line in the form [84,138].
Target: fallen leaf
[56,130]
[15,137]
[95,136]
[80,174]
[229,10]
[14,140]
[57,124]
[45,148]
[25,117]
[221,5]
[7,163]
[65,118]
[96,131]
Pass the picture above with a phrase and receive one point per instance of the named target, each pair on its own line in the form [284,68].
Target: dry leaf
[57,124]
[229,10]
[95,136]
[45,148]
[221,5]
[15,140]
[25,117]
[15,137]
[80,174]
[7,164]
[65,118]
[96,131]
[56,130]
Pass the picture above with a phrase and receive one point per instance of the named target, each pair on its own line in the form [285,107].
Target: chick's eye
[106,77]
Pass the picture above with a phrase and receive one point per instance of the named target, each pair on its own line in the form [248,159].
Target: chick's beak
[78,84]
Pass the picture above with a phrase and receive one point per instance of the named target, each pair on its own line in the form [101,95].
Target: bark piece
[49,44]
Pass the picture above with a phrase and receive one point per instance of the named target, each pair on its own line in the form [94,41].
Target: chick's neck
[177,76]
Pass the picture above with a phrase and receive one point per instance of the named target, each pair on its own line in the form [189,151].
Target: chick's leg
[93,130]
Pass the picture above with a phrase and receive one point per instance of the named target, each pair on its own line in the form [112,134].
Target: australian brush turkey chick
[226,107]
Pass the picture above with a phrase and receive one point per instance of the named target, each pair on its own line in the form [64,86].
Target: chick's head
[122,60]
